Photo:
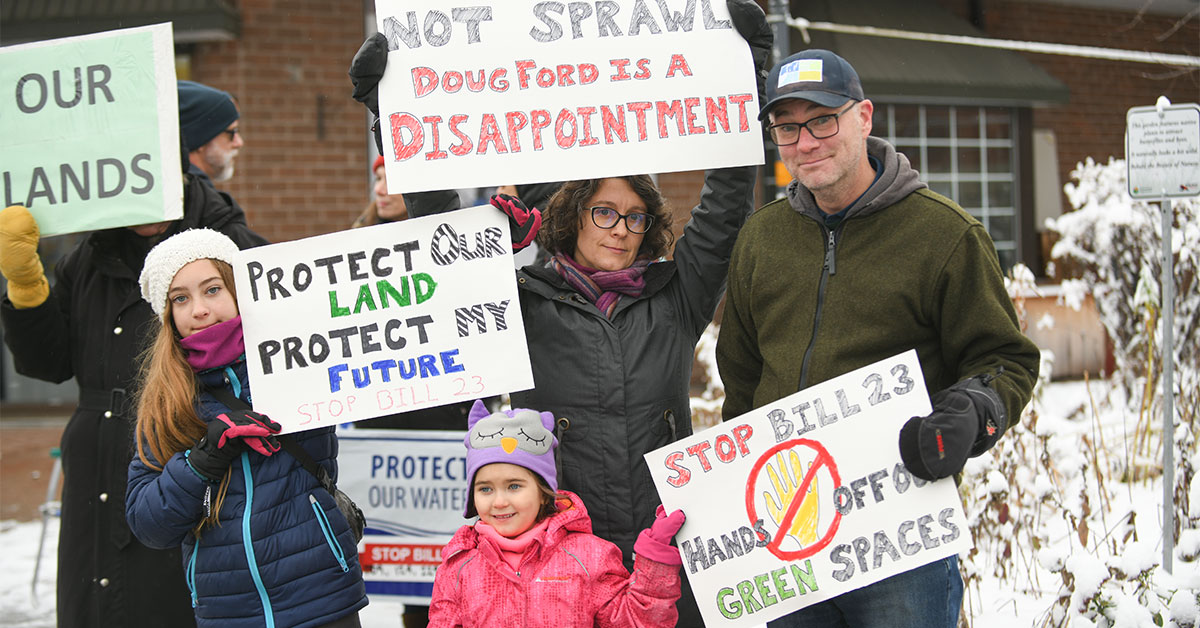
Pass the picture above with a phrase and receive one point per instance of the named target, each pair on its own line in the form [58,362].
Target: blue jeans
[926,597]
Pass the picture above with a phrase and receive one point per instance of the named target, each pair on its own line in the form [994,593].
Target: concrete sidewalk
[27,435]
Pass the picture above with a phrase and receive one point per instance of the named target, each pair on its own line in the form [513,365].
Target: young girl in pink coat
[531,560]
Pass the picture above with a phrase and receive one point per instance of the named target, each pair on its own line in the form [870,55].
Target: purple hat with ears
[519,436]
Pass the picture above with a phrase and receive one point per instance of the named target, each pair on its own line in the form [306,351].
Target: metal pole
[777,15]
[1168,384]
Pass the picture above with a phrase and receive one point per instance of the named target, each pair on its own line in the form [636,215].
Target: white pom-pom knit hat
[177,251]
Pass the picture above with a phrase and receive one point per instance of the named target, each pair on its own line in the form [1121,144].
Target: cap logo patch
[801,70]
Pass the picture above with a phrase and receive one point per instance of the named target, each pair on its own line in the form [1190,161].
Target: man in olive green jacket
[858,263]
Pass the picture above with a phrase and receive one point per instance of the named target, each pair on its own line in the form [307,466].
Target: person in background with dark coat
[209,121]
[90,326]
[611,326]
[383,207]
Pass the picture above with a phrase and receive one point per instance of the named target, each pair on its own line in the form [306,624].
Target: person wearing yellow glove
[89,324]
[19,261]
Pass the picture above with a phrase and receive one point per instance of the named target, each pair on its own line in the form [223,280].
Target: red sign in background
[822,460]
[400,554]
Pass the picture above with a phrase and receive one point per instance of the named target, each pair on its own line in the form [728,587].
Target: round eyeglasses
[821,128]
[607,218]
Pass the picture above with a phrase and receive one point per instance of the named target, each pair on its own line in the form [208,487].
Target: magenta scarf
[215,346]
[602,287]
[512,550]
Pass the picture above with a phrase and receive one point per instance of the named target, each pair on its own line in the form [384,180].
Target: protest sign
[523,91]
[382,320]
[806,498]
[89,130]
[412,487]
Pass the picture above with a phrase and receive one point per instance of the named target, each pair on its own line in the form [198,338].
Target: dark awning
[194,20]
[920,71]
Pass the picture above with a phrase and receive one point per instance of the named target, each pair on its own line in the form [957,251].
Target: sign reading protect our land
[1162,151]
[524,91]
[383,320]
[806,498]
[89,130]
[412,487]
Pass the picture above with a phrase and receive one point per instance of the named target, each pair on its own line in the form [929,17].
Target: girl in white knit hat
[263,543]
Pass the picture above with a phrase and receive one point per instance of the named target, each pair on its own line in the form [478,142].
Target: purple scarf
[602,287]
[215,346]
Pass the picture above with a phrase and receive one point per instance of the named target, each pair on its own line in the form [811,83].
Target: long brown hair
[167,422]
[564,211]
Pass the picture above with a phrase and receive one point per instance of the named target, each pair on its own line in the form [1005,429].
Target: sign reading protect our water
[89,130]
[382,320]
[806,498]
[524,91]
[412,488]
[1162,151]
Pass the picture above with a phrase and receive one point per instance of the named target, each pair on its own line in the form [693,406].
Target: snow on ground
[1023,600]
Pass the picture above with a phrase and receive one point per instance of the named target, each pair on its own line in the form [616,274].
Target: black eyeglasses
[232,133]
[607,218]
[821,127]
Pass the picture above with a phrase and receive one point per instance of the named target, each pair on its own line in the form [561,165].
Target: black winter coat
[92,328]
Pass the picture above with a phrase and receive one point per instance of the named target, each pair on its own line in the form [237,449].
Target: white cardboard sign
[384,319]
[806,498]
[524,91]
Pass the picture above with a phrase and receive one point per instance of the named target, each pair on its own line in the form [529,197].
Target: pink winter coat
[571,579]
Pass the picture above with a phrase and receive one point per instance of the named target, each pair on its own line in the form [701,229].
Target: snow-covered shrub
[1056,494]
[1118,242]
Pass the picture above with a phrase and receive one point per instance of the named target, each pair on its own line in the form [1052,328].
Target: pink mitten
[523,221]
[654,542]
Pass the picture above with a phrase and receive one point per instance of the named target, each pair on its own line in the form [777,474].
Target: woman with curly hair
[611,324]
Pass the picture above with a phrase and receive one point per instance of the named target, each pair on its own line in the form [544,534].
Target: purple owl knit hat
[519,436]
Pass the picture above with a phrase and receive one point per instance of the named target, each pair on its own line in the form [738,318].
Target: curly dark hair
[562,215]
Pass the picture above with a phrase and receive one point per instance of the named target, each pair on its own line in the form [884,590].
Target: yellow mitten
[19,261]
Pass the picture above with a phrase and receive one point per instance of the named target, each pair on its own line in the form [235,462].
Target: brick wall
[303,170]
[301,173]
[1092,124]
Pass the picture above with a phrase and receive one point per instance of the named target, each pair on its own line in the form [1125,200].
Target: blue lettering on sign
[452,468]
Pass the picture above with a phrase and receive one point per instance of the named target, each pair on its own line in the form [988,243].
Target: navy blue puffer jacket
[283,554]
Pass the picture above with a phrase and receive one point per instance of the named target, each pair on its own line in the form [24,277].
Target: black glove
[522,221]
[365,71]
[967,419]
[228,436]
[751,24]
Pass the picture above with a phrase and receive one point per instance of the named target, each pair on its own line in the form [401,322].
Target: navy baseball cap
[815,75]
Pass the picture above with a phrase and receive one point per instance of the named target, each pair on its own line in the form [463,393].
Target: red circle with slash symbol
[822,460]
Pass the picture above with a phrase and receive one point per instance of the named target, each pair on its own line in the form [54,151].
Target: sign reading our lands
[524,91]
[806,498]
[383,320]
[89,130]
[412,488]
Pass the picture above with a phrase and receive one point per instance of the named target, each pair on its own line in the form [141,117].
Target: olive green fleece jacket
[906,269]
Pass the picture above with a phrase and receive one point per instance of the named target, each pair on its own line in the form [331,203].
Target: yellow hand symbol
[786,481]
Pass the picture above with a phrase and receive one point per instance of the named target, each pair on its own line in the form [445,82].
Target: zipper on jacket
[327,530]
[248,543]
[231,379]
[191,574]
[828,269]
[830,257]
